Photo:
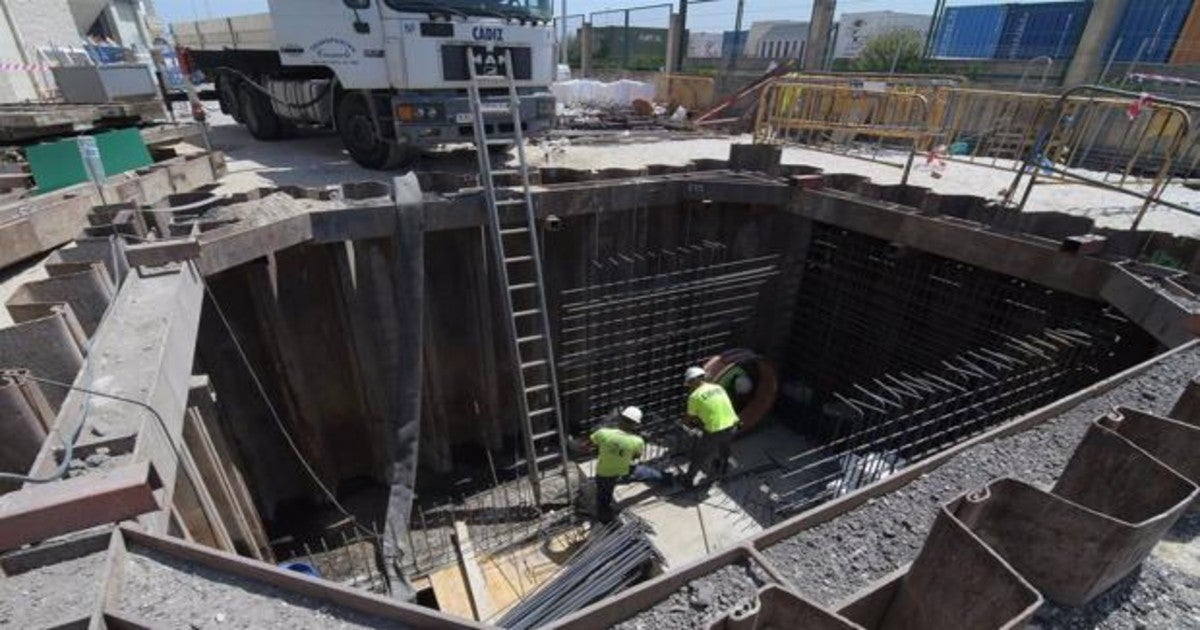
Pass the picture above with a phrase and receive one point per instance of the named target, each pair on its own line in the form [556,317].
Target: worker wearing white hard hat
[617,449]
[710,410]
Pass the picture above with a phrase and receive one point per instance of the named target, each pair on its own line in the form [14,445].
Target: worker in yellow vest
[710,410]
[618,447]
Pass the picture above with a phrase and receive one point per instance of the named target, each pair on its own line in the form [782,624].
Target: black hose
[241,75]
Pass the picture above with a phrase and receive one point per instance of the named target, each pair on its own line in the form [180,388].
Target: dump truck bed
[240,32]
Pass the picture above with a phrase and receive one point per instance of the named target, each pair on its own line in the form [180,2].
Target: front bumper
[443,119]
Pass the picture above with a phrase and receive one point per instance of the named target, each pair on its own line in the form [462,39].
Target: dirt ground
[316,158]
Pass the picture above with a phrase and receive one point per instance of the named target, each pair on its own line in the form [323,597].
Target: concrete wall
[40,23]
[856,29]
[44,23]
[15,86]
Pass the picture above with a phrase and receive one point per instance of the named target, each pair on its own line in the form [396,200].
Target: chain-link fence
[632,39]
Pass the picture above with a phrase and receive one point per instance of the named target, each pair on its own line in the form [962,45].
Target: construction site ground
[316,158]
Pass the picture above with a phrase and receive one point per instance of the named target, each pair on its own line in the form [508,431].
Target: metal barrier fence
[831,116]
[1112,139]
[1134,136]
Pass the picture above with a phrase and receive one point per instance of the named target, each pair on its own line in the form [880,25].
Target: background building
[777,39]
[856,29]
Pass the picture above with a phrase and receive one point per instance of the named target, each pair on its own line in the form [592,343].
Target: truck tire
[358,136]
[227,95]
[258,116]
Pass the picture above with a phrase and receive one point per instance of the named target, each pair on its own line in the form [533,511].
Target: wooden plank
[481,602]
[213,476]
[450,588]
[208,507]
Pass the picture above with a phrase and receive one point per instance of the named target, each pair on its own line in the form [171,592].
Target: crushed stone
[50,595]
[836,559]
[172,593]
[703,600]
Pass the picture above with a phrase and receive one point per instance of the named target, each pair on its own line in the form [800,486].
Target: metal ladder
[519,262]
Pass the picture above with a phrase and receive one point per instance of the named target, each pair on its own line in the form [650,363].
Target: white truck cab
[389,75]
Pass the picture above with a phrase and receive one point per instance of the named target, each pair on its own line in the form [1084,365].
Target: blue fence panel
[971,32]
[1148,30]
[1049,29]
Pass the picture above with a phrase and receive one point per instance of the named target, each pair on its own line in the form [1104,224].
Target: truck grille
[454,62]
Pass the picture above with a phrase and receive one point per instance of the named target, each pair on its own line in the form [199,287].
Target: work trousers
[710,455]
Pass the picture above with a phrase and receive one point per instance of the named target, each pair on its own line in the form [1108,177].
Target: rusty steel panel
[41,512]
[1109,508]
[943,587]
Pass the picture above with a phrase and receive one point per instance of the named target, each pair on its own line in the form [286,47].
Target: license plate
[488,109]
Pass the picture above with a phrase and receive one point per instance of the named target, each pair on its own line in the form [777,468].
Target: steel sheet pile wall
[971,32]
[1049,29]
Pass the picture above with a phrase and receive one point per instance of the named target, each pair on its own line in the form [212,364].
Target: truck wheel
[358,136]
[227,95]
[258,116]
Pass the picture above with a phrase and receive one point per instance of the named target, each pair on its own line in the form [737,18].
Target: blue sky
[716,15]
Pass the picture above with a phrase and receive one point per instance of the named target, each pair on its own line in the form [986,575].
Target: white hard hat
[692,374]
[632,414]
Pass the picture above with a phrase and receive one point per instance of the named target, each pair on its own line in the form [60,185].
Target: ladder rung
[526,313]
[517,259]
[529,338]
[509,202]
[506,171]
[533,364]
[548,457]
[499,141]
[540,412]
[537,388]
[537,437]
[510,231]
[523,286]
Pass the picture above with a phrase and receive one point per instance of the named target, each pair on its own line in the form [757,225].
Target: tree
[900,50]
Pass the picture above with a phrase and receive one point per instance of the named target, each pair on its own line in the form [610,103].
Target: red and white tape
[8,66]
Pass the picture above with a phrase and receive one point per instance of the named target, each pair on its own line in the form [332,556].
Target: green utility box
[60,164]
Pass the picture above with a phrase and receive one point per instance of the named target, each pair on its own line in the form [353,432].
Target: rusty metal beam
[37,513]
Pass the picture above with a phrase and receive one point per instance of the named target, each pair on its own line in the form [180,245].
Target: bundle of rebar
[616,556]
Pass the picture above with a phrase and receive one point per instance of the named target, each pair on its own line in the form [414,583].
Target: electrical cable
[162,424]
[69,445]
[262,390]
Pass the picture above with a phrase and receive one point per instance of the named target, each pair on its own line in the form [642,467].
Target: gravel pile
[53,594]
[836,559]
[1155,595]
[171,593]
[703,600]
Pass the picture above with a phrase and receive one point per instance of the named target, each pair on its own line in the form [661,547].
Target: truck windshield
[540,9]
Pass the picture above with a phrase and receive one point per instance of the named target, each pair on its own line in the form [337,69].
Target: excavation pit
[889,312]
[366,324]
